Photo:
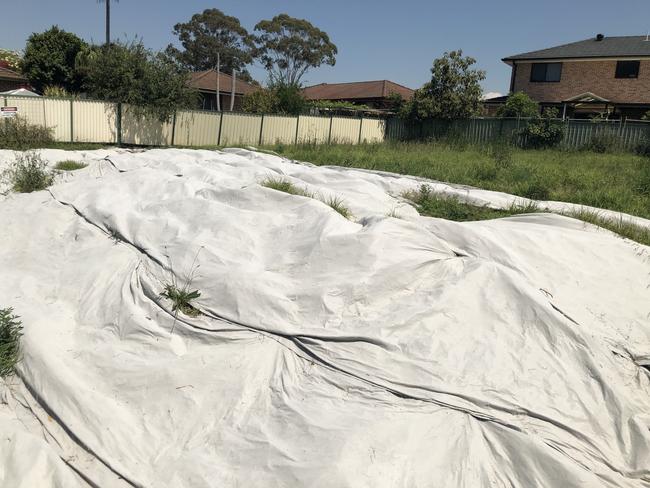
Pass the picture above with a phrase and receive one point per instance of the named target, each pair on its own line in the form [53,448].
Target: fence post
[71,120]
[173,127]
[360,127]
[118,123]
[261,129]
[220,126]
[5,100]
[329,136]
[297,125]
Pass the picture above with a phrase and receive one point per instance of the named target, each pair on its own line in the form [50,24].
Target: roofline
[511,61]
[355,82]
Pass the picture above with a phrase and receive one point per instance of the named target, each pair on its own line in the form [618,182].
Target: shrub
[603,142]
[519,105]
[544,132]
[28,173]
[10,333]
[17,133]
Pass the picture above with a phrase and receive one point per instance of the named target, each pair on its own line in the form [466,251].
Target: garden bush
[603,142]
[17,133]
[28,173]
[543,133]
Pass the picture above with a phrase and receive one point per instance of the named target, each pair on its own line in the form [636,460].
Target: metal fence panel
[240,129]
[194,128]
[94,121]
[278,129]
[144,130]
[313,129]
[32,109]
[58,118]
[373,130]
[345,130]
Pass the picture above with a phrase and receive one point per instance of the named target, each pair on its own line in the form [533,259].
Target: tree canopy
[519,105]
[289,47]
[130,73]
[50,59]
[210,33]
[454,91]
[13,59]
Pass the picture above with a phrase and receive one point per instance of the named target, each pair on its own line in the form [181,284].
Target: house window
[546,72]
[627,69]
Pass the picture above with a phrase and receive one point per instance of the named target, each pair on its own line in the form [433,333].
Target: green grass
[615,181]
[451,208]
[10,333]
[283,185]
[69,165]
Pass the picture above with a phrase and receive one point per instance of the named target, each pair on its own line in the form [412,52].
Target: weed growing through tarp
[283,185]
[10,333]
[28,173]
[181,294]
[69,165]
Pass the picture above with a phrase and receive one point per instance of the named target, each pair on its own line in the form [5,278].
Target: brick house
[205,82]
[10,79]
[601,75]
[374,94]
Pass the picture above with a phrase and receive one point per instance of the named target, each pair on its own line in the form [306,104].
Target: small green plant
[10,333]
[182,295]
[501,153]
[28,173]
[280,184]
[69,165]
[17,133]
[339,205]
[181,299]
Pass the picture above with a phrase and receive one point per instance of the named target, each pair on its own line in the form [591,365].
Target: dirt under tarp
[388,350]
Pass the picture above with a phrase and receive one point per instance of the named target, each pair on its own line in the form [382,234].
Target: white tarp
[373,352]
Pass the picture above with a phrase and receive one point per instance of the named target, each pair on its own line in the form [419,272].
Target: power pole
[108,22]
[218,71]
[232,93]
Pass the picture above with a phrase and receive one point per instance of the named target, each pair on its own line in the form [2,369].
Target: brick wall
[587,76]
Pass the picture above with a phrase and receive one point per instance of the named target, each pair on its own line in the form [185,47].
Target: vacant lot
[619,181]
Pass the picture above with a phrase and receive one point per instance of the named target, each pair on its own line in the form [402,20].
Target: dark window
[541,72]
[627,69]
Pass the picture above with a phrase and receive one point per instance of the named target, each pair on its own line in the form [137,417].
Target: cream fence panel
[57,118]
[278,129]
[312,129]
[144,131]
[197,128]
[240,129]
[94,121]
[345,130]
[373,130]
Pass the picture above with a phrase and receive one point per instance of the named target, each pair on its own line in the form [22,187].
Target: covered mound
[329,352]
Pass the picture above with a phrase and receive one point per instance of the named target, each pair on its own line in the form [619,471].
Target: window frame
[621,61]
[545,80]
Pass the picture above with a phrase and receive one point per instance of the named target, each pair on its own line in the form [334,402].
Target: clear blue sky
[377,39]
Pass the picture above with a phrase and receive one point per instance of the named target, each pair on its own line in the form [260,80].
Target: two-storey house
[601,75]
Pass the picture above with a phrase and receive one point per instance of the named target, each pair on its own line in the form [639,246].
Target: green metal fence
[578,133]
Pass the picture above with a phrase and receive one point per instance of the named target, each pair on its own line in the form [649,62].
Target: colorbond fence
[578,133]
[111,123]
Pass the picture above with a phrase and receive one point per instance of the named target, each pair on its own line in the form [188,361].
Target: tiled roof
[7,74]
[207,81]
[356,90]
[607,47]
